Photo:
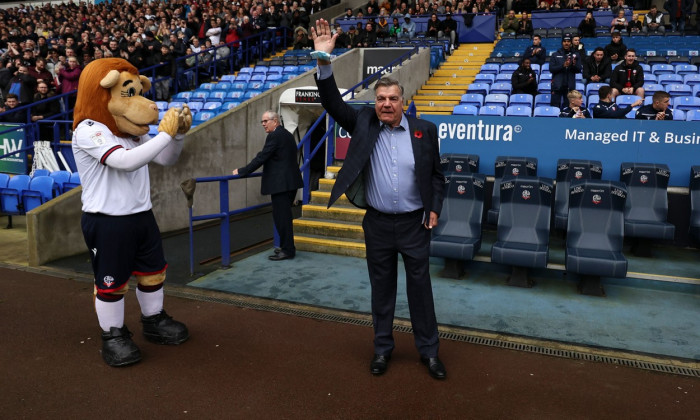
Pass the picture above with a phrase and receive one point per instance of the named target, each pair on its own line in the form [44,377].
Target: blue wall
[675,143]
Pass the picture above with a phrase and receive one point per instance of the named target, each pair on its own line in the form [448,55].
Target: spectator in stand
[658,108]
[578,46]
[635,25]
[616,49]
[510,24]
[68,77]
[536,52]
[654,21]
[619,6]
[11,102]
[382,27]
[343,41]
[41,73]
[525,25]
[348,14]
[134,54]
[21,84]
[164,73]
[301,39]
[678,11]
[408,28]
[214,31]
[628,77]
[606,108]
[352,36]
[587,26]
[44,110]
[575,109]
[524,79]
[564,64]
[597,67]
[395,28]
[434,27]
[449,27]
[368,37]
[619,23]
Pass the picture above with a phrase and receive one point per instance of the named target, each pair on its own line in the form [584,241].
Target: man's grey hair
[388,82]
[272,114]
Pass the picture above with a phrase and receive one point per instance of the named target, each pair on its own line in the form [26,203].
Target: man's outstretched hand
[323,39]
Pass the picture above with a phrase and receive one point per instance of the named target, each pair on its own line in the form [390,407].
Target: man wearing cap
[564,64]
[352,38]
[408,28]
[449,27]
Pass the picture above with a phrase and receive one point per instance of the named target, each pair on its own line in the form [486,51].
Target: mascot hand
[185,120]
[169,122]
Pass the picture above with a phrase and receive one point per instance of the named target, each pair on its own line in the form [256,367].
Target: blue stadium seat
[40,190]
[11,196]
[546,111]
[199,96]
[692,115]
[679,89]
[239,85]
[490,68]
[569,171]
[273,77]
[40,172]
[288,76]
[650,88]
[194,107]
[658,69]
[485,78]
[678,115]
[162,105]
[691,79]
[543,99]
[182,97]
[305,67]
[211,106]
[459,163]
[594,249]
[503,87]
[59,179]
[269,85]
[242,78]
[228,78]
[646,207]
[251,94]
[223,85]
[476,99]
[4,179]
[202,117]
[624,100]
[521,99]
[495,110]
[544,87]
[686,103]
[480,88]
[74,181]
[498,99]
[667,79]
[255,85]
[519,111]
[289,70]
[258,77]
[593,88]
[503,78]
[592,101]
[217,95]
[545,77]
[260,70]
[508,68]
[458,235]
[152,130]
[650,78]
[246,70]
[206,86]
[508,166]
[523,226]
[234,95]
[684,69]
[465,110]
[229,105]
[275,69]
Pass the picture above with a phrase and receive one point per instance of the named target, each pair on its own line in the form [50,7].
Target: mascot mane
[92,100]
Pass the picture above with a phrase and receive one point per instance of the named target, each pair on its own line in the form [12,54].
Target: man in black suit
[392,169]
[281,179]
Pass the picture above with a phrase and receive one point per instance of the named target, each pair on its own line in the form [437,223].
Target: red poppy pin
[418,134]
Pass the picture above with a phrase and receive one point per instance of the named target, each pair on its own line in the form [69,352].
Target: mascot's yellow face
[132,112]
[110,92]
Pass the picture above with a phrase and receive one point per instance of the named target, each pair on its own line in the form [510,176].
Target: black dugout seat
[458,235]
[569,170]
[694,187]
[523,226]
[646,207]
[595,232]
[459,163]
[508,166]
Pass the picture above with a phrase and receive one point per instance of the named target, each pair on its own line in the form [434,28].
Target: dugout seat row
[522,211]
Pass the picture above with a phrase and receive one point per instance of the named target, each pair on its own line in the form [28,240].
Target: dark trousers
[559,98]
[387,236]
[282,216]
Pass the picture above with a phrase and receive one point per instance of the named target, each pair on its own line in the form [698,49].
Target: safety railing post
[307,172]
[225,237]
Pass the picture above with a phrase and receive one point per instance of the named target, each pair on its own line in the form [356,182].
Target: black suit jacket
[279,157]
[363,125]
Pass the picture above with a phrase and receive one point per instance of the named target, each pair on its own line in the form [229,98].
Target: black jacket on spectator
[602,69]
[539,57]
[619,49]
[524,81]
[610,110]
[627,76]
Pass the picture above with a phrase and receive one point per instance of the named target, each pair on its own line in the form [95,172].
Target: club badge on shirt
[98,138]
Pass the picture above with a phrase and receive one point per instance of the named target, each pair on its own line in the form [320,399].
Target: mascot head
[110,92]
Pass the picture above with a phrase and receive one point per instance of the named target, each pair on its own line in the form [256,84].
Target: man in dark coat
[628,77]
[281,179]
[597,67]
[392,169]
[564,64]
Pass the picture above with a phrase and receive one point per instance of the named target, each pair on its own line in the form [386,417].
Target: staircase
[444,89]
[335,230]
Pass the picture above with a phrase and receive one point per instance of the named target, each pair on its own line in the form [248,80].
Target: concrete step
[328,229]
[325,185]
[336,213]
[321,198]
[330,246]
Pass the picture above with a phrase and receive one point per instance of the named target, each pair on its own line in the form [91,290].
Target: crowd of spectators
[53,42]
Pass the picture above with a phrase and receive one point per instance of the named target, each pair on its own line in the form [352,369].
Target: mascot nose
[153,106]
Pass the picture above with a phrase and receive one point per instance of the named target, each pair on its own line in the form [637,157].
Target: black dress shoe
[379,364]
[280,256]
[435,367]
[278,250]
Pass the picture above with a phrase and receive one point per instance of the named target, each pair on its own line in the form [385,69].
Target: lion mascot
[112,150]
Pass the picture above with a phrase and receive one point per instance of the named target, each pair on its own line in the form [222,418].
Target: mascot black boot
[163,329]
[118,349]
